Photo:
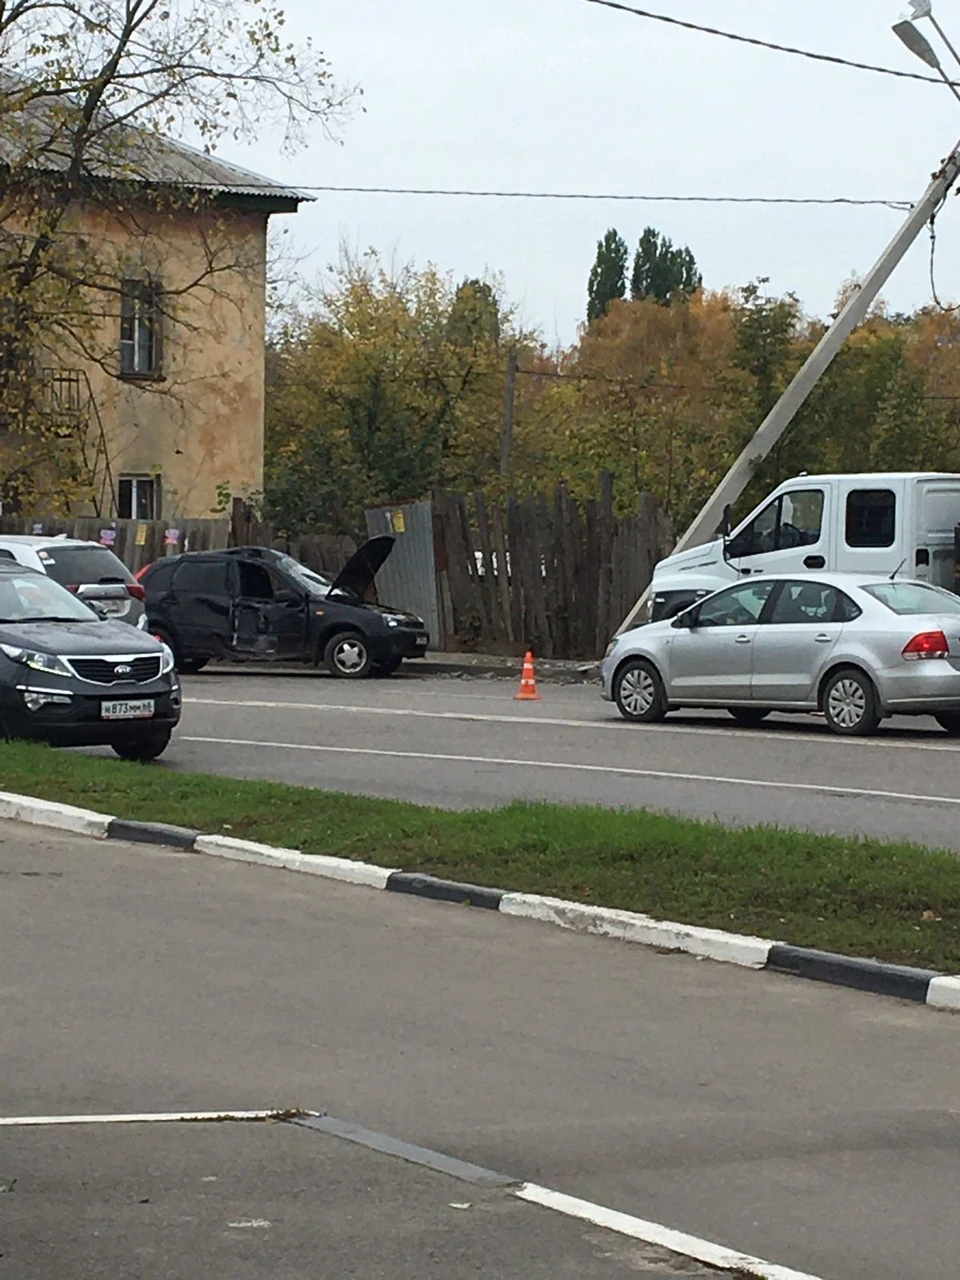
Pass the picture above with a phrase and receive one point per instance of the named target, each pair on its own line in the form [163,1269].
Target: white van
[883,522]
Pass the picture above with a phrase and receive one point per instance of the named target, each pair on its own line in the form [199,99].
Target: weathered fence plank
[551,574]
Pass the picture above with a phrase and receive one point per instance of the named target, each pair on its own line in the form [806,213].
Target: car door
[799,633]
[789,535]
[199,606]
[712,660]
[270,613]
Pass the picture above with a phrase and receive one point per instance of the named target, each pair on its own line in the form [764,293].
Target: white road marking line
[624,1224]
[149,1117]
[506,761]
[611,725]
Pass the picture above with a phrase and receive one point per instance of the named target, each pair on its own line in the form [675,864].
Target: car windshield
[30,597]
[315,583]
[913,597]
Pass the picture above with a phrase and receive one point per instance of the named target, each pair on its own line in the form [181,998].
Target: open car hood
[357,575]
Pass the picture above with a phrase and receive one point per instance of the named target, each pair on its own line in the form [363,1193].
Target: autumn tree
[386,384]
[662,271]
[608,275]
[99,85]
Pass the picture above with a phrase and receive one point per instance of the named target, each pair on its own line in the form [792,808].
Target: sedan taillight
[928,644]
[137,590]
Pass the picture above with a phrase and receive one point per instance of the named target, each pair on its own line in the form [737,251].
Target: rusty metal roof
[41,141]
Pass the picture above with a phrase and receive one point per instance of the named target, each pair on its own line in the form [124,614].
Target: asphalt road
[813,1126]
[465,743]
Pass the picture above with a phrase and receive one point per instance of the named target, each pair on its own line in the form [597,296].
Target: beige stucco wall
[200,425]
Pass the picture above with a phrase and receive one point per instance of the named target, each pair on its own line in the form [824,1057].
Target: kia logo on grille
[123,670]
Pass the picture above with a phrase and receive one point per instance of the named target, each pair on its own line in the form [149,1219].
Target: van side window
[792,520]
[871,518]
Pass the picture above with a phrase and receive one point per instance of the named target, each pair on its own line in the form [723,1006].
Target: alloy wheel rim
[350,656]
[637,691]
[847,703]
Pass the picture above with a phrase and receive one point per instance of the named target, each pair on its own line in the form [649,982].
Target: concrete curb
[939,991]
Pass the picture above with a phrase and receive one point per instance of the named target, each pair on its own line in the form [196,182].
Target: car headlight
[393,619]
[167,661]
[49,663]
[611,646]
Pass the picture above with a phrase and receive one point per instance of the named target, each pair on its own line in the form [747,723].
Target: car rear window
[913,597]
[76,566]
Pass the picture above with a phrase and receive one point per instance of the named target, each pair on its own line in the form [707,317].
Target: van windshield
[913,597]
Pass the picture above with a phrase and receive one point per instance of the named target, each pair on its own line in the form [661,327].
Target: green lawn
[864,897]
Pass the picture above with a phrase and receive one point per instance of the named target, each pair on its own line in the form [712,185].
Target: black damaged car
[256,604]
[72,678]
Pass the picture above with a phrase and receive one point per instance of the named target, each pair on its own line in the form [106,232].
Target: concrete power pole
[785,410]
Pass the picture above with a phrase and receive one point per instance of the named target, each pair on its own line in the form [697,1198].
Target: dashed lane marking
[731,734]
[616,770]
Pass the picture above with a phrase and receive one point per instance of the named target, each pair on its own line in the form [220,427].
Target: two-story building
[164,385]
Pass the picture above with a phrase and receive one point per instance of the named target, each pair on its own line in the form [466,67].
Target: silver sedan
[856,648]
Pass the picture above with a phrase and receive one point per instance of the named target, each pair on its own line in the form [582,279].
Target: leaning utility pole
[788,406]
[793,399]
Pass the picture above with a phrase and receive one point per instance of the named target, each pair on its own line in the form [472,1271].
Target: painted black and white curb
[940,991]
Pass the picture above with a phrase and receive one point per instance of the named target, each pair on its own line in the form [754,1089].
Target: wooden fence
[552,574]
[140,542]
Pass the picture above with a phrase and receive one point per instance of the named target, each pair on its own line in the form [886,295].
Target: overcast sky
[563,95]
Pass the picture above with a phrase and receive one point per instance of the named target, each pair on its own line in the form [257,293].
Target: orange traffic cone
[528,682]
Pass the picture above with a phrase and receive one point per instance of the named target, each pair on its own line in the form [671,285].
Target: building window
[138,498]
[139,329]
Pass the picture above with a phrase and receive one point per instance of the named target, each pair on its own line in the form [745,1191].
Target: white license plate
[124,709]
[421,639]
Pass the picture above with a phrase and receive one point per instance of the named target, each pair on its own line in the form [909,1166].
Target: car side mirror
[288,596]
[727,521]
[687,620]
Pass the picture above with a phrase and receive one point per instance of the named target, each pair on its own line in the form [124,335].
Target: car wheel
[850,704]
[639,693]
[143,749]
[347,656]
[386,668]
[749,716]
[949,720]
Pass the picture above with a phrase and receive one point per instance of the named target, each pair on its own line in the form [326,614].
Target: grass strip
[893,901]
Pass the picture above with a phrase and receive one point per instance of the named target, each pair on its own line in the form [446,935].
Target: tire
[749,717]
[949,720]
[850,704]
[143,749]
[347,656]
[638,692]
[386,668]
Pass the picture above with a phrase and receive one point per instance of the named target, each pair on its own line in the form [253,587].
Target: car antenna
[898,568]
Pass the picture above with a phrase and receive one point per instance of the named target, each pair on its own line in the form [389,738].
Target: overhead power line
[767,44]
[600,195]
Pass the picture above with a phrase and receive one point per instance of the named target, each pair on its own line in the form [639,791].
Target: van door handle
[822,639]
[743,639]
[814,562]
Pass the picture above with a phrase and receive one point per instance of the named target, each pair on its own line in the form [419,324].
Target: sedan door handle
[743,639]
[822,639]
